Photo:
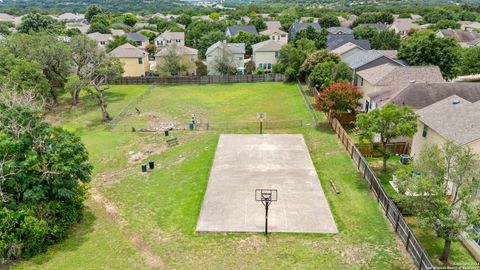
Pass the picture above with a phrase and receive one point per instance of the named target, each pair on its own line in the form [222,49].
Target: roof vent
[412,81]
[456,101]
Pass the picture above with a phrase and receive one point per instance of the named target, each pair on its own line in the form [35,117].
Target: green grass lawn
[432,244]
[143,217]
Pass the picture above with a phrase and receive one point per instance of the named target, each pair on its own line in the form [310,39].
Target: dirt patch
[251,244]
[142,247]
[358,254]
[152,149]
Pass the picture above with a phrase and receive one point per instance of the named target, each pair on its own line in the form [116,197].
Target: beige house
[168,38]
[188,55]
[265,54]
[347,49]
[404,26]
[452,118]
[382,83]
[233,52]
[134,60]
[101,39]
[276,35]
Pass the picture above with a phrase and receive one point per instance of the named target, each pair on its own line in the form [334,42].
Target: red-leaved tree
[338,97]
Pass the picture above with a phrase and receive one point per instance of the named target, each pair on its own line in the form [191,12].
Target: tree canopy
[384,124]
[425,48]
[338,97]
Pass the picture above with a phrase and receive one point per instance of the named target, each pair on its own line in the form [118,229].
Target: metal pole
[266,218]
[261,127]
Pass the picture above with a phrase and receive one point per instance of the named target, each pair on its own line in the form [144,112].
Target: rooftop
[267,46]
[238,48]
[234,30]
[340,30]
[173,35]
[461,36]
[181,50]
[361,58]
[336,40]
[420,95]
[99,37]
[454,118]
[127,50]
[136,37]
[345,48]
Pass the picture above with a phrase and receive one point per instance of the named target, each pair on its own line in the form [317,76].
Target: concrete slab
[244,163]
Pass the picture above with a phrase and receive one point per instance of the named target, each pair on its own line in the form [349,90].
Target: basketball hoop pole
[261,127]
[266,216]
[266,196]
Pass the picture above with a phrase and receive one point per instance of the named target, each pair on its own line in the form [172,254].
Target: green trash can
[190,126]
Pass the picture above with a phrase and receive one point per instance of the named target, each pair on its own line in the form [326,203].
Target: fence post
[353,147]
[420,262]
[387,208]
[397,222]
[408,239]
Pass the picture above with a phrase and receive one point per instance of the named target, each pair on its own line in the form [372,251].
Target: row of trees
[80,65]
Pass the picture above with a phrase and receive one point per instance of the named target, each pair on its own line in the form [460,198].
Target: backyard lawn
[432,244]
[145,221]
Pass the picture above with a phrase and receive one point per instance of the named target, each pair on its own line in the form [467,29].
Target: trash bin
[404,159]
[151,164]
[166,132]
[144,167]
[190,126]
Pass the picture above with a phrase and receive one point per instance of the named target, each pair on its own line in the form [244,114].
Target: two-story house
[168,38]
[265,54]
[134,60]
[223,51]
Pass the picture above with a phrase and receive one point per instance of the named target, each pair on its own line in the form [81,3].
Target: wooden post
[387,208]
[408,238]
[397,221]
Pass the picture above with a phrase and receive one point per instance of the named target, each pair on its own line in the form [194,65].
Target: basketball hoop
[266,196]
[261,116]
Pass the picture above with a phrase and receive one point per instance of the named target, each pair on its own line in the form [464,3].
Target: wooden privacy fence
[201,79]
[413,246]
[369,150]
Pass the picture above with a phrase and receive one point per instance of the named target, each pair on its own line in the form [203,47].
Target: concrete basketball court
[244,163]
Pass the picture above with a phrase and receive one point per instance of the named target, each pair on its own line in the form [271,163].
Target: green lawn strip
[434,245]
[95,243]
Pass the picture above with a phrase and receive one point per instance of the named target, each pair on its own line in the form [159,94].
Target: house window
[361,82]
[102,42]
[240,58]
[276,54]
[269,66]
[425,130]
[140,61]
[139,43]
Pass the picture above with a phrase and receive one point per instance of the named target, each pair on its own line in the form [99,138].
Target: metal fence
[308,101]
[201,79]
[413,246]
[205,125]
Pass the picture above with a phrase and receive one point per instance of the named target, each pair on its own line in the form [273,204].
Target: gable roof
[389,53]
[346,48]
[136,37]
[273,31]
[420,95]
[454,118]
[461,36]
[334,41]
[267,46]
[234,30]
[298,26]
[361,58]
[71,16]
[99,37]
[405,24]
[181,50]
[391,80]
[339,30]
[127,50]
[273,25]
[6,17]
[172,35]
[236,48]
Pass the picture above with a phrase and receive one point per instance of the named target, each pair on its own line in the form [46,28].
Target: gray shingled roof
[361,58]
[454,118]
[233,47]
[420,95]
[460,35]
[339,30]
[234,30]
[300,26]
[136,37]
[267,46]
[335,41]
[127,50]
